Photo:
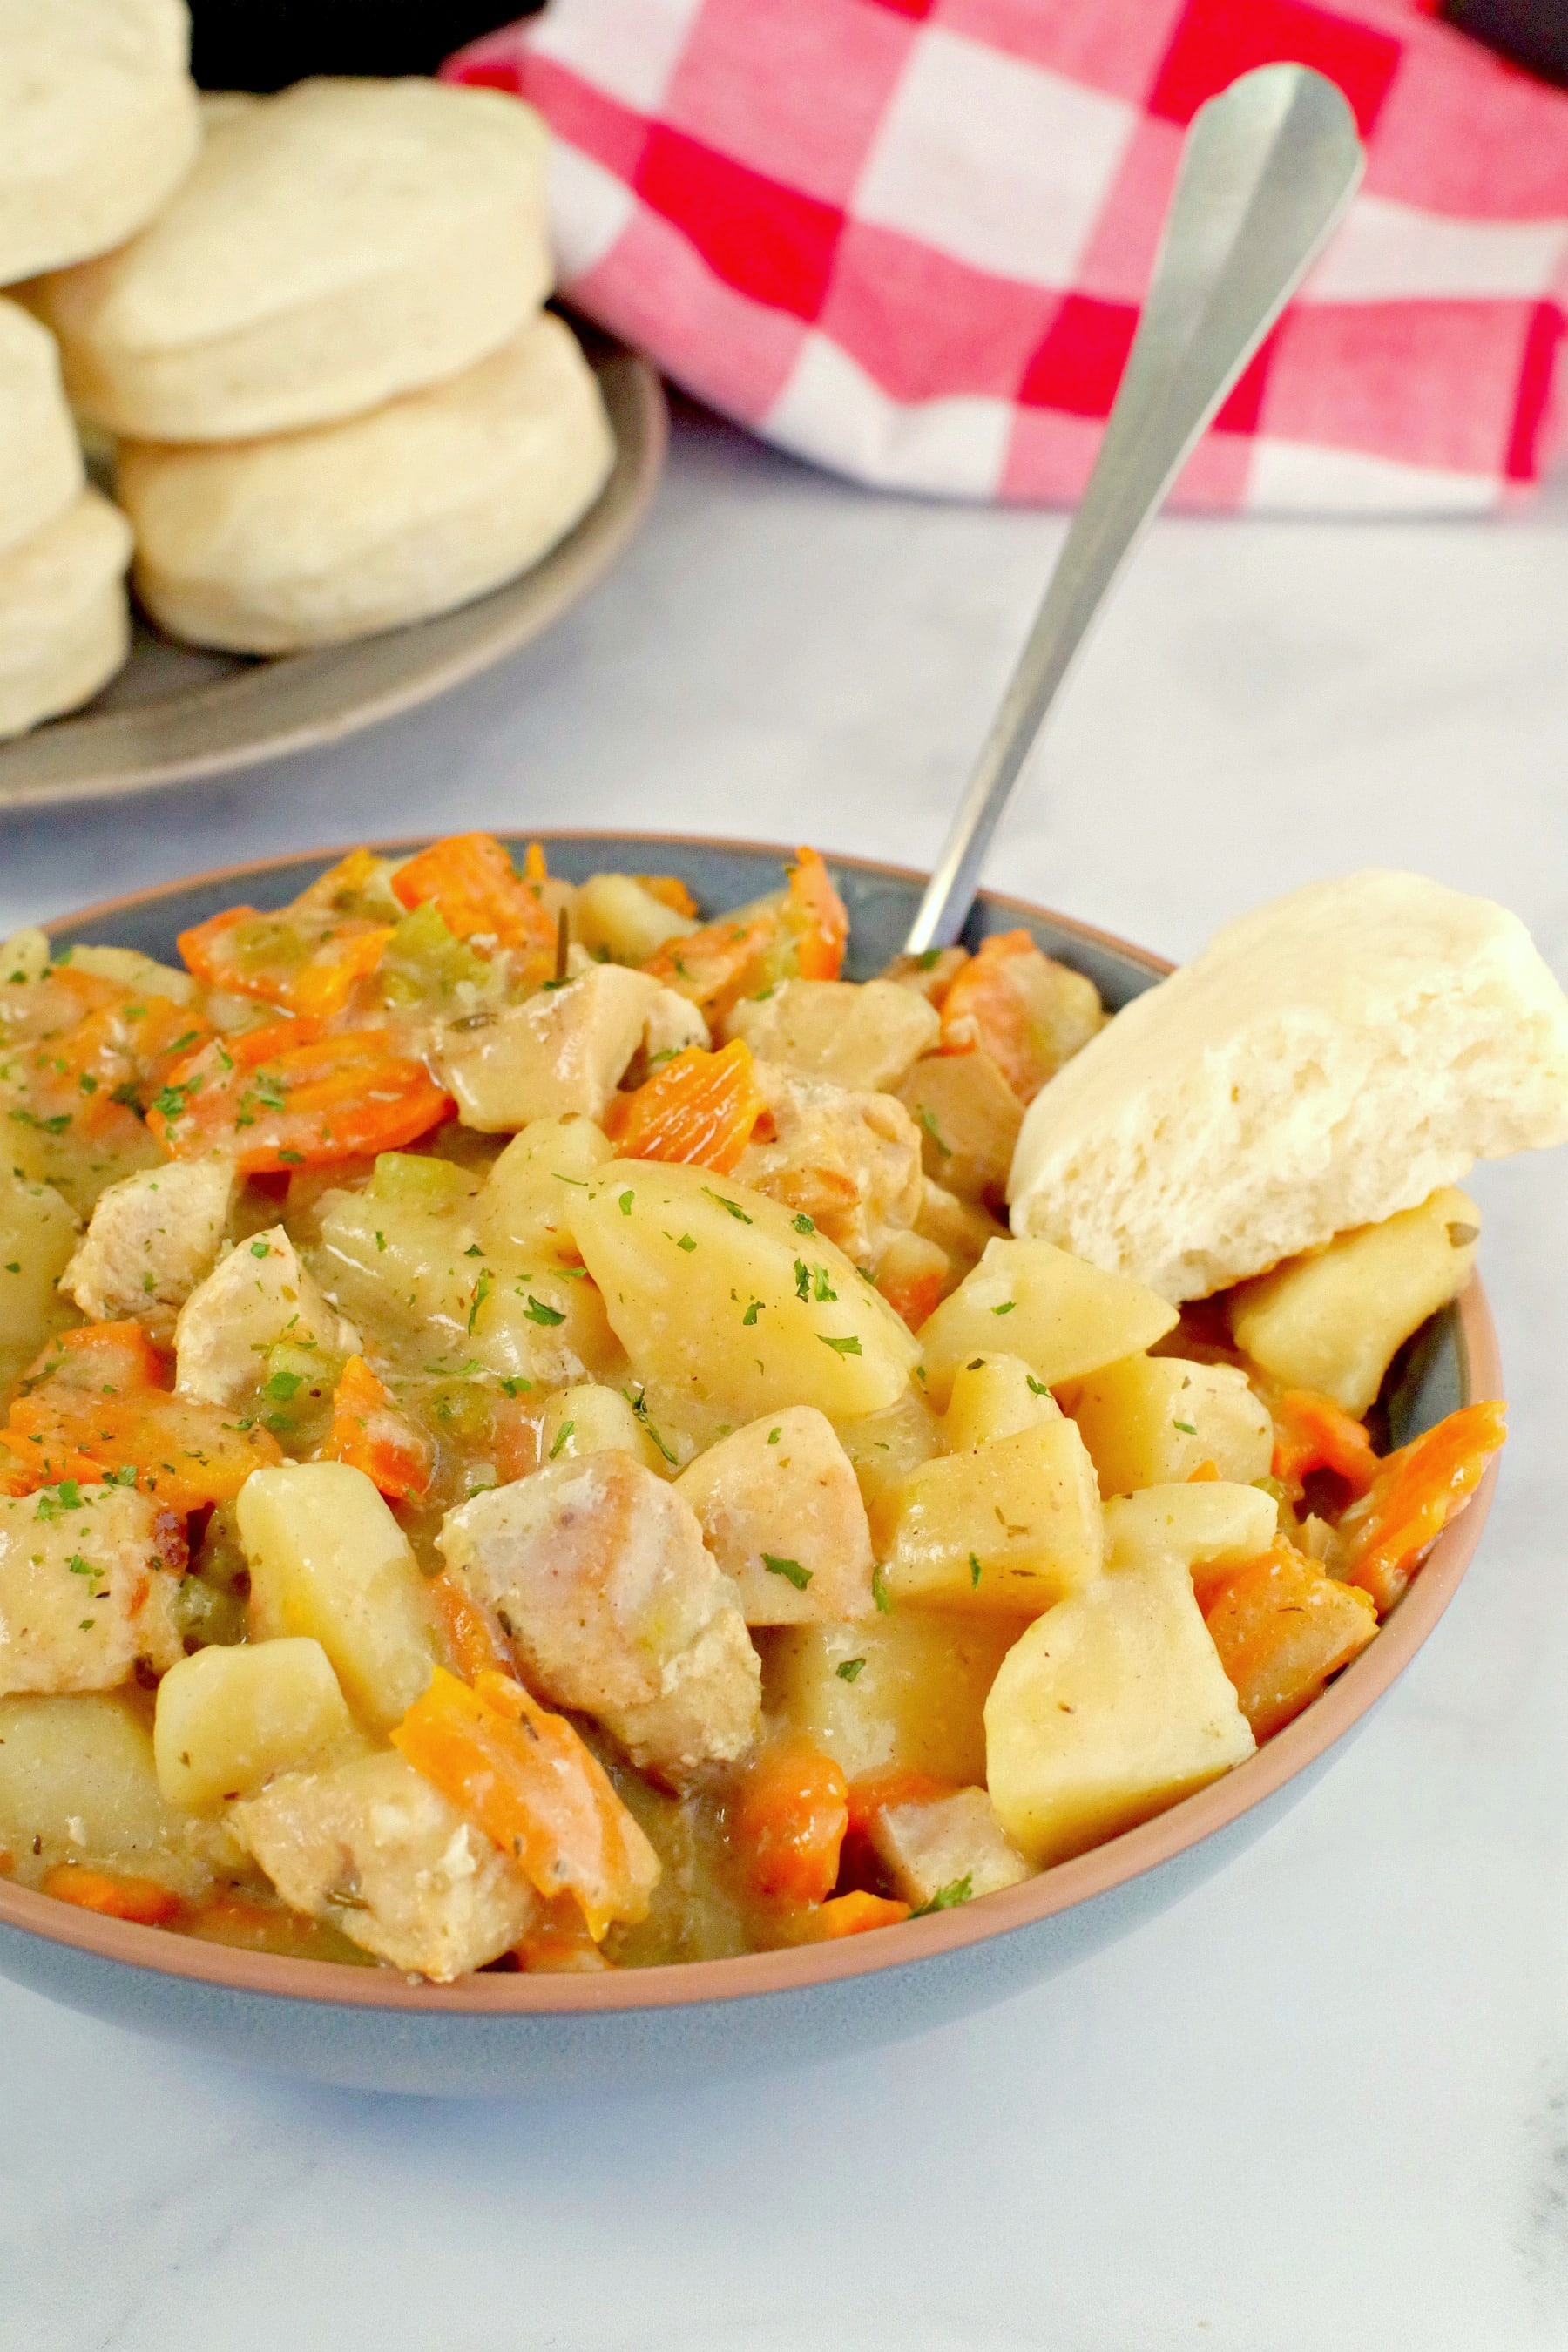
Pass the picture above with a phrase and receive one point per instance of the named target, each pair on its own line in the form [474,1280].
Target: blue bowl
[636,2029]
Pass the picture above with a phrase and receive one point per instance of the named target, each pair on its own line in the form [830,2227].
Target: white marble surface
[1324,2106]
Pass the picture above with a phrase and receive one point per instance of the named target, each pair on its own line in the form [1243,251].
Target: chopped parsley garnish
[774,1436]
[825,1289]
[973,1569]
[260,1249]
[790,1570]
[282,1385]
[627,1197]
[1036,1388]
[537,1311]
[79,1567]
[849,1347]
[880,1592]
[640,1406]
[802,1279]
[947,1899]
[803,1224]
[482,1290]
[849,1669]
[1187,1428]
[686,1243]
[1006,1306]
[929,959]
[752,1311]
[514,1387]
[564,1433]
[928,1120]
[733,1206]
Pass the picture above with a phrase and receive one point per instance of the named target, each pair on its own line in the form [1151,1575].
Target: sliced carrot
[787,1823]
[855,1914]
[1312,1433]
[700,1108]
[535,867]
[671,892]
[274,1097]
[526,1778]
[141,1900]
[99,1359]
[94,1417]
[306,963]
[1281,1628]
[479,895]
[471,1640]
[799,932]
[1000,1002]
[914,1292]
[1206,1474]
[873,1792]
[370,1433]
[559,1944]
[817,918]
[1380,1539]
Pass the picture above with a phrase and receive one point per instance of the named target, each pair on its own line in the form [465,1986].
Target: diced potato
[37,1236]
[954,1846]
[995,1396]
[868,1033]
[714,1290]
[1063,1316]
[591,1419]
[329,1560]
[1006,1531]
[130,969]
[1211,1525]
[1151,1420]
[560,1050]
[23,957]
[1333,1321]
[962,1228]
[781,1513]
[903,1691]
[228,1721]
[1112,1707]
[969,1117]
[617,913]
[521,1211]
[886,1446]
[77,1783]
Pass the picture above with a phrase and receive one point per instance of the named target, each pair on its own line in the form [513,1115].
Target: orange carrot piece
[1312,1433]
[988,1007]
[276,1098]
[855,1914]
[788,1820]
[96,1403]
[471,1640]
[699,1109]
[306,962]
[535,867]
[671,892]
[1281,1628]
[815,915]
[478,893]
[872,1792]
[914,1297]
[1381,1537]
[559,1944]
[141,1900]
[370,1433]
[526,1778]
[1206,1473]
[716,966]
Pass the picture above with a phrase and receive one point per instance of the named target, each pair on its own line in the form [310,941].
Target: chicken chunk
[87,1588]
[596,1571]
[948,1845]
[382,1855]
[153,1238]
[563,1049]
[869,1034]
[780,1509]
[849,1160]
[257,1296]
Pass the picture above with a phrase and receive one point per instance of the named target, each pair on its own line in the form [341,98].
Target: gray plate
[174,713]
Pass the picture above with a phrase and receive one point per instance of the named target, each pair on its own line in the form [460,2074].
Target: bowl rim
[693,1983]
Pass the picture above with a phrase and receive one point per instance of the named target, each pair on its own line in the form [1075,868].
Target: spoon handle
[1267,169]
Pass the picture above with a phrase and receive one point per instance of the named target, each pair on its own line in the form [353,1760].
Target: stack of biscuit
[337,401]
[98,125]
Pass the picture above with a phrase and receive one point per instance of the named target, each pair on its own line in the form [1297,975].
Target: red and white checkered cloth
[908,238]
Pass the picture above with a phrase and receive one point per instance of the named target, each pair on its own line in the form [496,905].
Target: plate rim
[1063,1887]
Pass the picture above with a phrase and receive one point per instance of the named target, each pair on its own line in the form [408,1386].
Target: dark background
[264,44]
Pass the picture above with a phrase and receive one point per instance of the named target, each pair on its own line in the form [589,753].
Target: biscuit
[64,623]
[309,537]
[40,458]
[333,246]
[1325,1062]
[99,118]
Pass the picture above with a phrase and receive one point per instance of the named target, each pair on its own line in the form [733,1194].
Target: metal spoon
[1266,169]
